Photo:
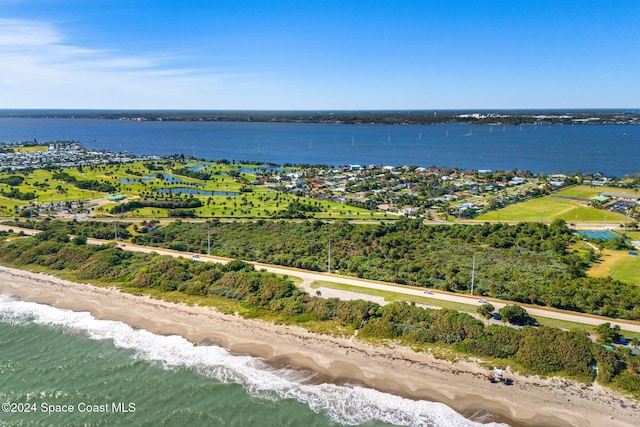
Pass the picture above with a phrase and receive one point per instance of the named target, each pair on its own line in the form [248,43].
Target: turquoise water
[57,360]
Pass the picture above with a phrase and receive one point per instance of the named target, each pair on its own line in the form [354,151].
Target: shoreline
[530,401]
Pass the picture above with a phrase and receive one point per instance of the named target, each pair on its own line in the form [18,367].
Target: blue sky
[319,55]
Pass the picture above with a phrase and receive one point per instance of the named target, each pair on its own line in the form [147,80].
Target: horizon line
[395,110]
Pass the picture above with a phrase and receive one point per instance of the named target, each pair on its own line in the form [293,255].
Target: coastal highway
[309,277]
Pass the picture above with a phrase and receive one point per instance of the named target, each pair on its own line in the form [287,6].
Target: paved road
[308,277]
[26,231]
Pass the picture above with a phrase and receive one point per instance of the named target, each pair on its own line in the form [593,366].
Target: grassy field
[7,206]
[549,208]
[46,190]
[586,191]
[134,180]
[625,269]
[31,149]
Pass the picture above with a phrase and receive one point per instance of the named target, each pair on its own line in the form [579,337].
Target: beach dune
[462,385]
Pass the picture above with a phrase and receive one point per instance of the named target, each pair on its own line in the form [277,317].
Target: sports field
[585,191]
[549,208]
[625,267]
[31,148]
[598,234]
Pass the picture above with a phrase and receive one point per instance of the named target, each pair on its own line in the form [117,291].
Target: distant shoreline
[391,117]
[609,148]
[462,385]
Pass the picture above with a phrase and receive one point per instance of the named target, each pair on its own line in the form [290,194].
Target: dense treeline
[14,193]
[95,229]
[298,210]
[191,202]
[88,184]
[527,262]
[192,174]
[546,351]
[12,180]
[507,117]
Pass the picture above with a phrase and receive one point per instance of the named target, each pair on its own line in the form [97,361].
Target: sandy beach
[462,385]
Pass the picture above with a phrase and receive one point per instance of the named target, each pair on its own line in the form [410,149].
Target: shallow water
[54,360]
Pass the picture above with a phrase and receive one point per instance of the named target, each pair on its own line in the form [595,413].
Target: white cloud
[17,33]
[39,70]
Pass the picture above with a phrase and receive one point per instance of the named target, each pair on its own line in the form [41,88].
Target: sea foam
[344,404]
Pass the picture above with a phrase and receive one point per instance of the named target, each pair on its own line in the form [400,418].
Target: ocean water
[610,149]
[59,367]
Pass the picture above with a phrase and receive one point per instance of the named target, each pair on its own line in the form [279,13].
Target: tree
[486,311]
[608,334]
[516,315]
[551,350]
[79,240]
[238,265]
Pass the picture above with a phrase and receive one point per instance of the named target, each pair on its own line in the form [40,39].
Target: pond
[194,191]
[197,168]
[135,180]
[166,177]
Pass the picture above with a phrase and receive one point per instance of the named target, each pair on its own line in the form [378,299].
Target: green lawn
[7,206]
[46,190]
[31,149]
[549,208]
[626,268]
[586,191]
[261,202]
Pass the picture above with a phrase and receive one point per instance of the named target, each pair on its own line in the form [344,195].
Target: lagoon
[610,149]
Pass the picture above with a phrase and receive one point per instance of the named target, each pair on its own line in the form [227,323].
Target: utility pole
[208,239]
[626,224]
[613,267]
[115,231]
[473,273]
[329,257]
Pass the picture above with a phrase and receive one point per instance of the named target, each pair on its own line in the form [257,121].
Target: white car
[483,301]
[428,292]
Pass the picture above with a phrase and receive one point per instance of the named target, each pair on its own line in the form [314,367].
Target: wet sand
[529,401]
